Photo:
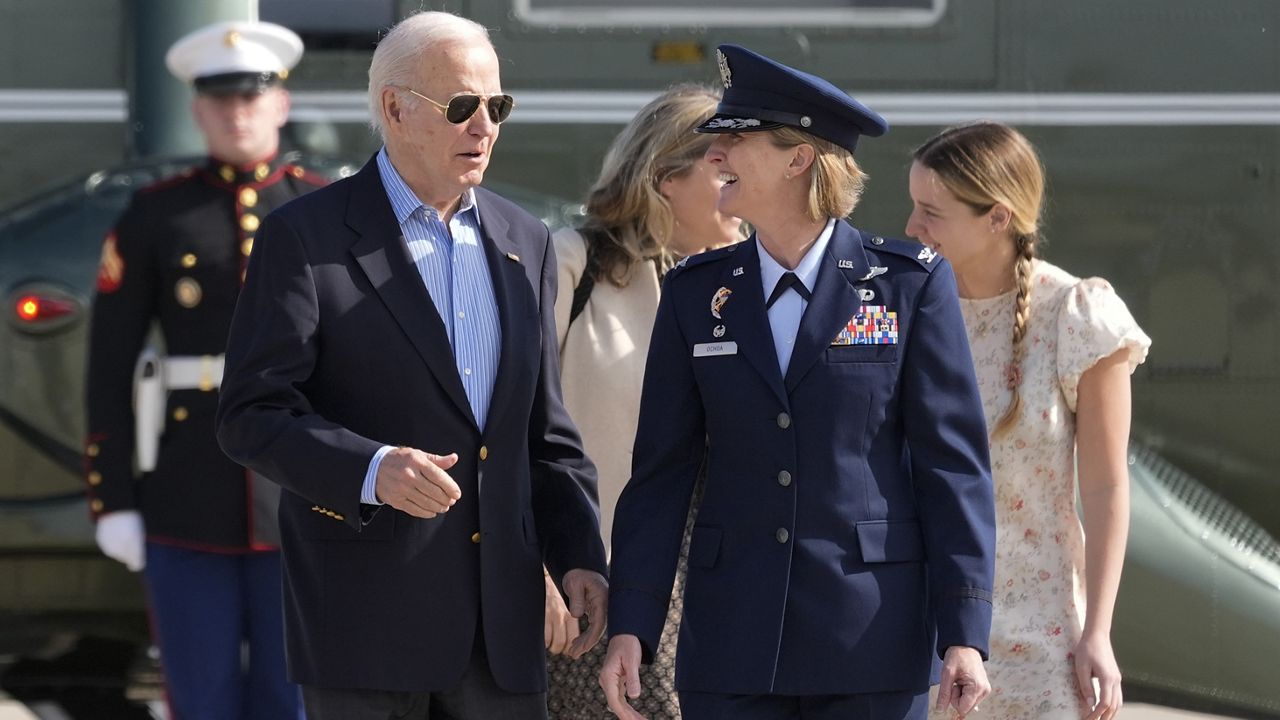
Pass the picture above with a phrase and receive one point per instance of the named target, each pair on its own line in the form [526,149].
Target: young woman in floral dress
[1053,355]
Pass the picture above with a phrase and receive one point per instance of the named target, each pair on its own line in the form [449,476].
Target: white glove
[121,537]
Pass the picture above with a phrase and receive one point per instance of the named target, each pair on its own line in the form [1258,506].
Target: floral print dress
[1039,591]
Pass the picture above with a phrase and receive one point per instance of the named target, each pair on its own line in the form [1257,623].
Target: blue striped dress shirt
[453,266]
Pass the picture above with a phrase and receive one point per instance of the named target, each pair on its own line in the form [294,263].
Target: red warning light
[37,308]
[29,308]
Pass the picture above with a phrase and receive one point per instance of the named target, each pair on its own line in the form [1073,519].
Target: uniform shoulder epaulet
[702,258]
[172,181]
[306,175]
[924,255]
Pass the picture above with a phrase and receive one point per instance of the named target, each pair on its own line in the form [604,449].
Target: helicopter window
[741,13]
[332,24]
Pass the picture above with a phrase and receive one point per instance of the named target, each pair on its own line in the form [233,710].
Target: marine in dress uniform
[845,542]
[177,258]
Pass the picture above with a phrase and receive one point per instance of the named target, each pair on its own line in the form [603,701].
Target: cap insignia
[725,76]
[231,39]
[733,123]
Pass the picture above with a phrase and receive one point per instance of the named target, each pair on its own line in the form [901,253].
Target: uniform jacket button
[782,535]
[96,505]
[475,538]
[784,420]
[484,452]
[784,479]
[95,478]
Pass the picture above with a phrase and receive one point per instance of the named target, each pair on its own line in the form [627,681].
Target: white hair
[395,60]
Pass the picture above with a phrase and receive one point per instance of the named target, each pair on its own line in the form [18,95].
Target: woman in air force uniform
[842,558]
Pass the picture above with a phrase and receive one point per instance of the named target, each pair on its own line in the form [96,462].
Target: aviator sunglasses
[460,108]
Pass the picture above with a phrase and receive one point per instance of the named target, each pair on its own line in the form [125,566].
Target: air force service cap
[762,94]
[231,58]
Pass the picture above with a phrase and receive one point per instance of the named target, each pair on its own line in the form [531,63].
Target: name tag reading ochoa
[728,347]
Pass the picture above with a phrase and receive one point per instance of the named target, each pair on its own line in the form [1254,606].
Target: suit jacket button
[784,479]
[784,420]
[95,478]
[475,538]
[484,452]
[782,535]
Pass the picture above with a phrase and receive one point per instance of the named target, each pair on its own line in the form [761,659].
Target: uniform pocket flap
[704,546]
[862,353]
[890,541]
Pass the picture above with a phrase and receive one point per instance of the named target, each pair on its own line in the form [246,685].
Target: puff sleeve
[1093,324]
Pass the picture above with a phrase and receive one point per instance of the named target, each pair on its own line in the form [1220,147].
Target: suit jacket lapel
[744,315]
[509,278]
[384,257]
[834,301]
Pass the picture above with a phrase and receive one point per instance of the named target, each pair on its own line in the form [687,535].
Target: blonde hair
[835,180]
[395,60]
[627,218]
[984,164]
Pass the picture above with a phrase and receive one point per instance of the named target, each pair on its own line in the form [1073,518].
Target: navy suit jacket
[337,349]
[846,536]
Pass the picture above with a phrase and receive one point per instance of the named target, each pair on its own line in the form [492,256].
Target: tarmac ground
[94,679]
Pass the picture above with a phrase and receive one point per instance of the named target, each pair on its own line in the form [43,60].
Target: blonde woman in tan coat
[654,203]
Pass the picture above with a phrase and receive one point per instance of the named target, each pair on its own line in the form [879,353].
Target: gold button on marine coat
[782,535]
[784,420]
[249,222]
[248,197]
[484,452]
[180,413]
[246,247]
[261,172]
[96,505]
[95,478]
[189,260]
[475,538]
[227,173]
[784,479]
[92,450]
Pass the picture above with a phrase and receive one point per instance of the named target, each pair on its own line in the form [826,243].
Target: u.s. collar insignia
[876,271]
[845,265]
[737,271]
[725,76]
[927,254]
[718,301]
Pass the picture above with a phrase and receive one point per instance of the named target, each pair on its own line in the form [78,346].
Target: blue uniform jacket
[847,533]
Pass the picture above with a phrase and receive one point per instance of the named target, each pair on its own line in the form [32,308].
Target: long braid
[1022,269]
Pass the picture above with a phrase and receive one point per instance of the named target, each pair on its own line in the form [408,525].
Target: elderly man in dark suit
[843,555]
[392,365]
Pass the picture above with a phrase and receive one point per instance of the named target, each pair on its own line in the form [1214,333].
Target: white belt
[189,372]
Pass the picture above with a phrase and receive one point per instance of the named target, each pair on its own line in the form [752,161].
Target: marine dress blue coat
[846,537]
